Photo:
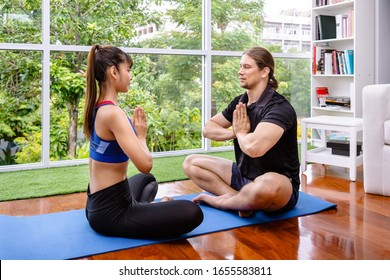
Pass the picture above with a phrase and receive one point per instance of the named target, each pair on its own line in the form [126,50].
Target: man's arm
[258,142]
[218,129]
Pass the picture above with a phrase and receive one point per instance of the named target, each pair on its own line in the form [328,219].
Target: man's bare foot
[245,214]
[166,198]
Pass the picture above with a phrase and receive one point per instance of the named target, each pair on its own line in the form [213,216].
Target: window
[186,56]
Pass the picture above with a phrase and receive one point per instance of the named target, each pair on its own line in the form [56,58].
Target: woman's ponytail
[100,58]
[91,92]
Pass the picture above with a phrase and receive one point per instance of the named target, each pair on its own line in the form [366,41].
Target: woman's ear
[113,72]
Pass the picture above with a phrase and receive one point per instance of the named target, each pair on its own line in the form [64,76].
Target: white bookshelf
[362,41]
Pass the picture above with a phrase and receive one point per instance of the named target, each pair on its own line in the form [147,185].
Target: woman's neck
[108,95]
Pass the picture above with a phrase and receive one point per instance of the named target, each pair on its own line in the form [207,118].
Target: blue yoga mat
[67,235]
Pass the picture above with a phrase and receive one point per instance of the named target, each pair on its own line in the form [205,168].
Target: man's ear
[265,72]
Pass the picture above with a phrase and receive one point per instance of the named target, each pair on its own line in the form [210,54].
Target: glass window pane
[236,25]
[169,87]
[67,90]
[179,26]
[293,76]
[21,21]
[287,24]
[225,86]
[150,23]
[20,107]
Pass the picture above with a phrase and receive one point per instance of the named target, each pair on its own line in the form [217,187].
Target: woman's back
[108,162]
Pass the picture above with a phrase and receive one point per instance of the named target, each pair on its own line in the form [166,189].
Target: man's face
[250,74]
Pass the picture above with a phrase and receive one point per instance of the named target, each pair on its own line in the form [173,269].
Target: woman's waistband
[113,195]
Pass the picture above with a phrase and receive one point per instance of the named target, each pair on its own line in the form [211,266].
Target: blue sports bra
[105,150]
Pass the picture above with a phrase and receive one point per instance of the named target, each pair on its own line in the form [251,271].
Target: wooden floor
[358,229]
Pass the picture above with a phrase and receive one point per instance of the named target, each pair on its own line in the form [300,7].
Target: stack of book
[338,102]
[329,101]
[332,62]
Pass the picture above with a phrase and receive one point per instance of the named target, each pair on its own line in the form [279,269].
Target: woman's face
[125,77]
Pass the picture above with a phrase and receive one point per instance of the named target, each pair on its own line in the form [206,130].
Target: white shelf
[324,155]
[329,41]
[332,7]
[362,42]
[336,110]
[333,76]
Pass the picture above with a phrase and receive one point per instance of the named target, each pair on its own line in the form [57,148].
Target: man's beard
[244,85]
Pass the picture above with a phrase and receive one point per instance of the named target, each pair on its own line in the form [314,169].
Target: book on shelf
[318,59]
[328,62]
[322,94]
[326,27]
[339,26]
[320,3]
[349,57]
[314,59]
[341,61]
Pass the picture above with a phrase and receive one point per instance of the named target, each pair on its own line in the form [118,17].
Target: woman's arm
[134,145]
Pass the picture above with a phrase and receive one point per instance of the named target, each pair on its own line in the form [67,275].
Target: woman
[117,205]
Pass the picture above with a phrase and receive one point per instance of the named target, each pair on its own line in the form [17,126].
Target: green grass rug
[64,180]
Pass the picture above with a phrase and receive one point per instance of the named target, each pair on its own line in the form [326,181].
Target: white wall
[382,41]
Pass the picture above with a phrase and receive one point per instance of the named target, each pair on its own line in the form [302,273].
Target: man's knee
[267,185]
[187,163]
[273,185]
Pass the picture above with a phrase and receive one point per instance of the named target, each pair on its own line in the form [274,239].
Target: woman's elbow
[145,169]
[146,165]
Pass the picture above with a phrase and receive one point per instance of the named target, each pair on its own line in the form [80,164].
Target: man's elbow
[206,132]
[255,152]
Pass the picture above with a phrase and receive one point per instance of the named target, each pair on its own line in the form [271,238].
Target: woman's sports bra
[105,150]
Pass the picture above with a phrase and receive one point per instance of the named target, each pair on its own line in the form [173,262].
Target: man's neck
[255,93]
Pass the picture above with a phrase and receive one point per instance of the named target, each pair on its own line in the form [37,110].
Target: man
[263,125]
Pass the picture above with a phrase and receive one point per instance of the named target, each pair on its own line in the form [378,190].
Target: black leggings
[124,210]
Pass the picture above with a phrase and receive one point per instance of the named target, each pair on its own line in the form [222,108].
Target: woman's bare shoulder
[110,113]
